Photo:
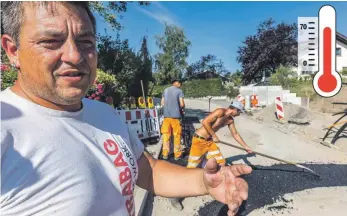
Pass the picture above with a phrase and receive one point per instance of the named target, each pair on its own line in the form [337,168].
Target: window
[338,51]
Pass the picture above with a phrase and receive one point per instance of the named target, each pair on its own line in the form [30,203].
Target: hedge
[196,88]
[8,77]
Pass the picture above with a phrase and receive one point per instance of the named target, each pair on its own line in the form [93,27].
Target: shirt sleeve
[164,92]
[180,94]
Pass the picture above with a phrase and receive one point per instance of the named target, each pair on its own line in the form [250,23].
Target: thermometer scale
[317,52]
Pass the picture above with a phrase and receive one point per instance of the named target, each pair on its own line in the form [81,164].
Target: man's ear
[10,48]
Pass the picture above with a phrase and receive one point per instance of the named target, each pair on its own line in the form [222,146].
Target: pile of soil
[326,105]
[306,123]
[293,113]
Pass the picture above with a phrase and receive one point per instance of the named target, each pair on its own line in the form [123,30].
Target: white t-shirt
[60,163]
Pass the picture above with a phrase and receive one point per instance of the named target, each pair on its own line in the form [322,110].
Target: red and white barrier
[279,108]
[145,122]
[240,98]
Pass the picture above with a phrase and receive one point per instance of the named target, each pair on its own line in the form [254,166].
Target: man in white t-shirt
[62,154]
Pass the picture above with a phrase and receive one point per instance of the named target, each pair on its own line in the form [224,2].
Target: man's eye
[50,41]
[86,42]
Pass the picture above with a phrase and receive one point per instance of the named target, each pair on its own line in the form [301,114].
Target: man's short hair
[13,12]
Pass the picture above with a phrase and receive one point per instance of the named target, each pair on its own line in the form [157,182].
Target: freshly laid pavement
[275,189]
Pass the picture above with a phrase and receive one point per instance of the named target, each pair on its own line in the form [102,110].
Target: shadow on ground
[269,184]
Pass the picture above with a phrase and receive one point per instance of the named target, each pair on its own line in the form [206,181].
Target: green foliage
[208,63]
[265,51]
[344,72]
[171,61]
[116,58]
[104,85]
[236,78]
[157,91]
[105,78]
[231,91]
[8,77]
[143,73]
[304,89]
[196,88]
[284,77]
[202,88]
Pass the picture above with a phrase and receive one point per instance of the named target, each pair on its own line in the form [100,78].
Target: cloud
[159,13]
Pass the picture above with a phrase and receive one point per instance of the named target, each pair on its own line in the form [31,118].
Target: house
[341,52]
[341,56]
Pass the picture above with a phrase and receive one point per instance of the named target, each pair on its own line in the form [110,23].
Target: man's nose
[71,53]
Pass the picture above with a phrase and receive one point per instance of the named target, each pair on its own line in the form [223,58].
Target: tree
[108,10]
[115,57]
[144,73]
[284,77]
[236,78]
[171,62]
[208,63]
[265,51]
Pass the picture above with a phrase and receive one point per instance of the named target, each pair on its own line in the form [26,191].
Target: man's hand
[248,150]
[225,185]
[215,139]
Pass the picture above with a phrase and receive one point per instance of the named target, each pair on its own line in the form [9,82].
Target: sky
[217,28]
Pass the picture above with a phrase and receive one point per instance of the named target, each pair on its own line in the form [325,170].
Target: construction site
[311,137]
[88,96]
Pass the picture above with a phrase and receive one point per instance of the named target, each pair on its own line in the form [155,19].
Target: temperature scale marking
[327,81]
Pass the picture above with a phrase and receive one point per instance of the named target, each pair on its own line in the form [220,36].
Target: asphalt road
[269,184]
[274,189]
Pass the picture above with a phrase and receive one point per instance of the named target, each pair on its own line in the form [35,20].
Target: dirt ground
[326,105]
[275,189]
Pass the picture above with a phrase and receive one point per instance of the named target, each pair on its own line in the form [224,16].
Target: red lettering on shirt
[129,203]
[125,175]
[119,161]
[127,189]
[111,147]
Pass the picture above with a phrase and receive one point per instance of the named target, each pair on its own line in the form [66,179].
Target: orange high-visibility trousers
[199,149]
[174,126]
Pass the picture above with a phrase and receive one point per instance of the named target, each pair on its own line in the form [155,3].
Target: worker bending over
[205,138]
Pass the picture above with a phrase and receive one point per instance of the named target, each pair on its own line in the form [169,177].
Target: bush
[196,88]
[157,91]
[103,87]
[8,76]
[202,88]
[284,77]
[232,92]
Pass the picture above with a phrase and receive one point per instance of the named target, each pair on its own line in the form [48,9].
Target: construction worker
[205,138]
[173,103]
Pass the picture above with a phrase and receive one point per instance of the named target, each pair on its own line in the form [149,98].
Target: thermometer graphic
[327,81]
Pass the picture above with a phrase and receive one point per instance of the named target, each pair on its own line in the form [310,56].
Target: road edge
[141,194]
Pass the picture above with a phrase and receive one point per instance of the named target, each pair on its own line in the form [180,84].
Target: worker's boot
[176,204]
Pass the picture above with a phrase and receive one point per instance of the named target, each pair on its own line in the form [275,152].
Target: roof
[342,38]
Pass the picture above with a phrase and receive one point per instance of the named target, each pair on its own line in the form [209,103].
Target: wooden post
[143,93]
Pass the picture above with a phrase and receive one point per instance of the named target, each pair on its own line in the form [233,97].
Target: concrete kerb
[140,197]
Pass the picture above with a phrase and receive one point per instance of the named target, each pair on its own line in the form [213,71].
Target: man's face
[234,112]
[57,52]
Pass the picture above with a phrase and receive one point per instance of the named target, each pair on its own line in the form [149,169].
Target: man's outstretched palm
[225,185]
